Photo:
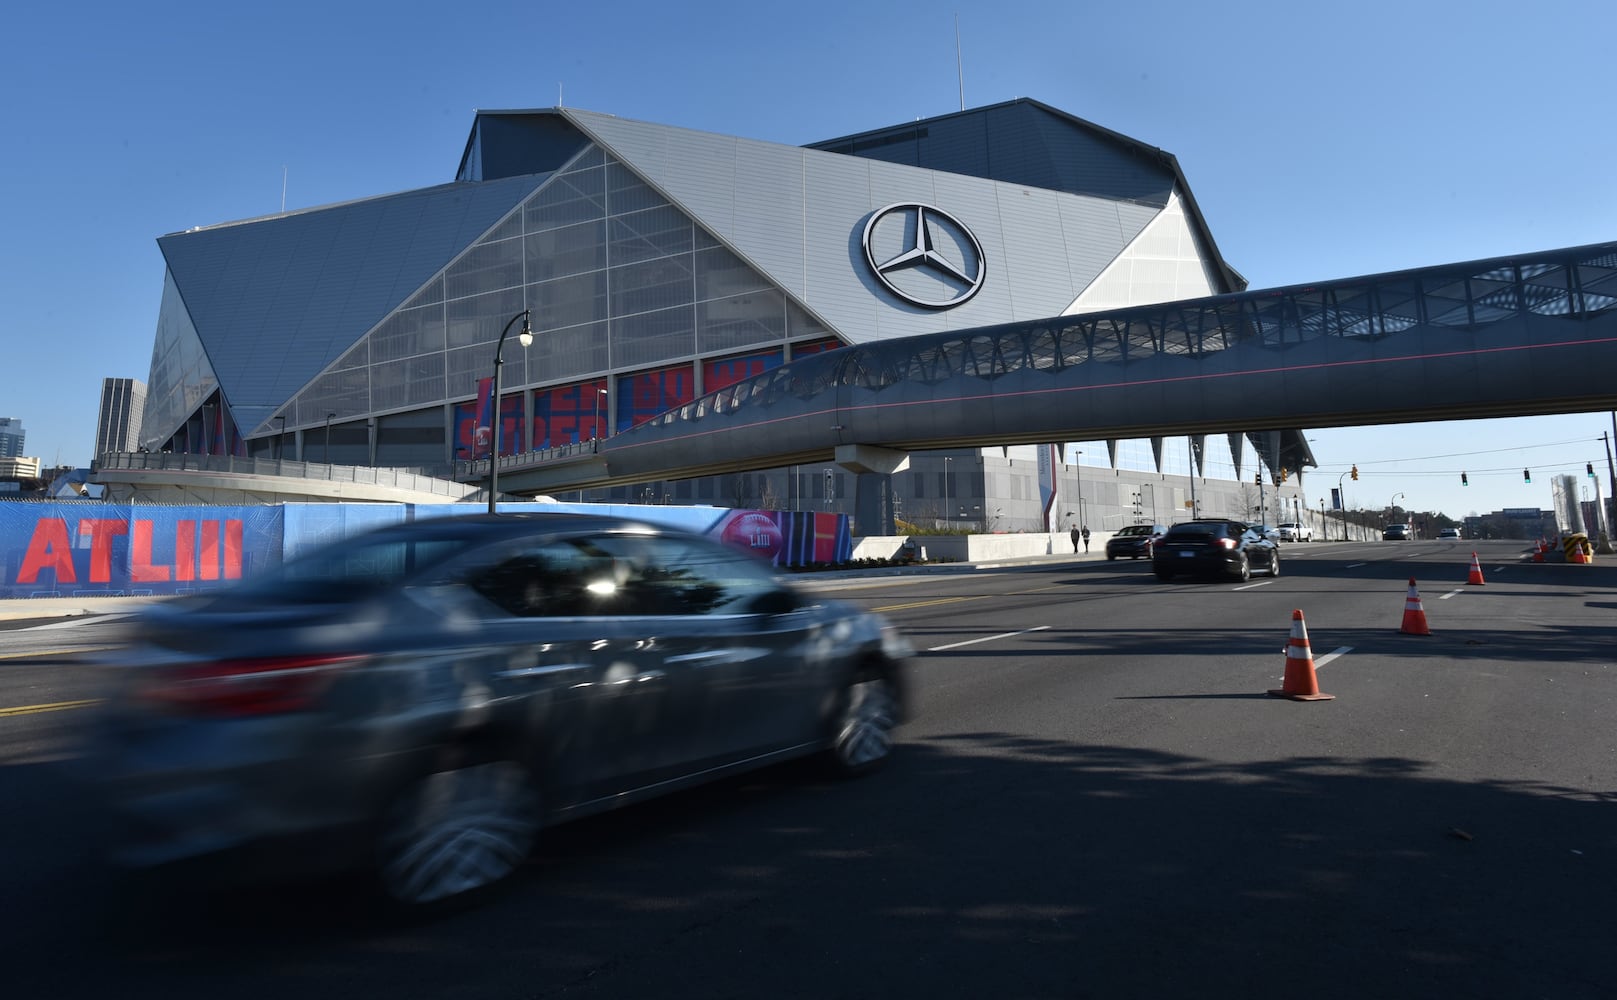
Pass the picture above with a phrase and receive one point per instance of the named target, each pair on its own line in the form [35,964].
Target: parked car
[1451,533]
[1214,547]
[1133,541]
[1293,531]
[1396,532]
[420,701]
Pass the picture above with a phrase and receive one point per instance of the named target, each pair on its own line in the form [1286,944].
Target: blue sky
[1320,142]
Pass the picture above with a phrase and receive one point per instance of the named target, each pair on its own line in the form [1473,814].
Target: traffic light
[1355,473]
[1589,467]
[1527,476]
[1464,481]
[1258,478]
[1282,475]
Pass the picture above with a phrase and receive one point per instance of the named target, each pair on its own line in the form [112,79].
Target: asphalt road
[1095,799]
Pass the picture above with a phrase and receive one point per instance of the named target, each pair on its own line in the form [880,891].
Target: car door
[582,680]
[736,646]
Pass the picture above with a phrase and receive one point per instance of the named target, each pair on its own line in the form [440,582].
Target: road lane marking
[1450,594]
[1333,654]
[1356,565]
[1249,586]
[925,604]
[59,706]
[44,653]
[987,638]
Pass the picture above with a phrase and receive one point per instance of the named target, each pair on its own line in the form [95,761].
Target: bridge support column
[873,492]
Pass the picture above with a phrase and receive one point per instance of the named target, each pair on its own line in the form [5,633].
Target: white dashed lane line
[987,638]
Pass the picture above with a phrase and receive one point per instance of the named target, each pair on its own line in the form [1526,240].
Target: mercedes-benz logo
[924,255]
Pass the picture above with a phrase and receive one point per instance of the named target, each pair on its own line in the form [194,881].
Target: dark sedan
[1133,541]
[421,700]
[1215,548]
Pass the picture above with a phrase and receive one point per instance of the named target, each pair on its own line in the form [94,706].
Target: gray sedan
[421,700]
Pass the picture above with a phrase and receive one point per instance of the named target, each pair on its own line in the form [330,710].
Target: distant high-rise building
[118,429]
[11,437]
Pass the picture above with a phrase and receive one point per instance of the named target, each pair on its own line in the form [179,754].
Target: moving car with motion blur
[1396,533]
[1133,541]
[1215,547]
[422,700]
[1449,533]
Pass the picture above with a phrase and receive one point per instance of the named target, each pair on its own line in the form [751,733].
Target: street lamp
[946,516]
[525,338]
[1078,460]
[325,453]
[1341,498]
[595,428]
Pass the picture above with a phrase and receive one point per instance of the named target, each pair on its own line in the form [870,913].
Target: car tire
[1110,557]
[1274,565]
[1243,569]
[863,736]
[453,834]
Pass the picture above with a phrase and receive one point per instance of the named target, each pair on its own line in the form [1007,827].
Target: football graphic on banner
[755,531]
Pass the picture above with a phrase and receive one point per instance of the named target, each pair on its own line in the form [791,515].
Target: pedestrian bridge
[1511,336]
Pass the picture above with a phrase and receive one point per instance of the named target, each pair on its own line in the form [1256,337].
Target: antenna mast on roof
[958,68]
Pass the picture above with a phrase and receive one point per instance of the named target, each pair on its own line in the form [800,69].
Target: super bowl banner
[113,550]
[79,549]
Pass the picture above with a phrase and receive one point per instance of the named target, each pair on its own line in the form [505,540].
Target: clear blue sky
[1320,142]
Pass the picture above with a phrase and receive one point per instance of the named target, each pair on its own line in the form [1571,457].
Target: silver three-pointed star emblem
[924,255]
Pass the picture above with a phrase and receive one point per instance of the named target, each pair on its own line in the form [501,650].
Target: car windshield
[1135,529]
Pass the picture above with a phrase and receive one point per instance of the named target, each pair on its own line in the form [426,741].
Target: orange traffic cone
[1538,551]
[1300,683]
[1414,615]
[1475,579]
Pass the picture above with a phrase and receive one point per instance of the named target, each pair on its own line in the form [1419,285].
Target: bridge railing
[282,468]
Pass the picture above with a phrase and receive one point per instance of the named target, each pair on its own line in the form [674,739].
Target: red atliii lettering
[203,550]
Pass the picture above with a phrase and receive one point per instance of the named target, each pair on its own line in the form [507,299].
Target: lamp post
[946,514]
[595,428]
[1341,498]
[525,338]
[325,453]
[1078,460]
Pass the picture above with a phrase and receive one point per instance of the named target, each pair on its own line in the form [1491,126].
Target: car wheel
[1243,569]
[1110,557]
[1274,564]
[456,832]
[864,730]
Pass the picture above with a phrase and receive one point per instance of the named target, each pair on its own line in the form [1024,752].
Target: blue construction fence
[79,549]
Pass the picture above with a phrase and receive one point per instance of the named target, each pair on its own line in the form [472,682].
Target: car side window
[691,576]
[552,579]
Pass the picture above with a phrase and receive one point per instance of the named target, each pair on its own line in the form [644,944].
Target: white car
[1294,532]
[1448,533]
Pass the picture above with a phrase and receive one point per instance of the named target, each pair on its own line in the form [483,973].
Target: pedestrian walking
[1077,536]
[1086,538]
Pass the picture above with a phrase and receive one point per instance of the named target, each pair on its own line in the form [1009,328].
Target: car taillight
[1224,543]
[248,687]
